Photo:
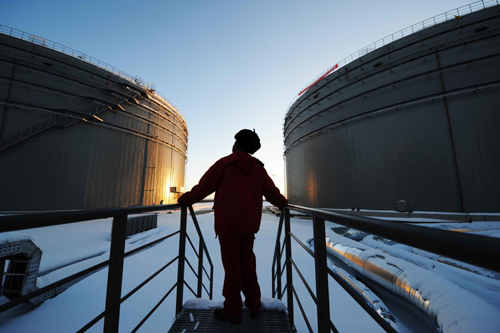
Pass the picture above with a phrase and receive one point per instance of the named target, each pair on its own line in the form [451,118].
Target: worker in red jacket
[239,182]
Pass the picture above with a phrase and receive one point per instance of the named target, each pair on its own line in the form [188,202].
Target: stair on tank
[202,320]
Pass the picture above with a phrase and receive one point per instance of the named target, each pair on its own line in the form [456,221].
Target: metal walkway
[198,321]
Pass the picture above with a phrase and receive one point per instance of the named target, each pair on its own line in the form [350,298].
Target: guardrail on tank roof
[137,80]
[430,22]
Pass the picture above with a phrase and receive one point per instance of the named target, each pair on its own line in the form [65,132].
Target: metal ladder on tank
[63,121]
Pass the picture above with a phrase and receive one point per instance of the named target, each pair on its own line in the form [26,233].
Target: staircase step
[269,321]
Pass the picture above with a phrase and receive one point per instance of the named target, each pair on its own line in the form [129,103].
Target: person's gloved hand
[182,200]
[284,204]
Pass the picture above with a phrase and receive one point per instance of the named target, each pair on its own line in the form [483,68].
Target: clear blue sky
[226,65]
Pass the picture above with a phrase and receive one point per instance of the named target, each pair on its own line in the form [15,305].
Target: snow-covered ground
[70,248]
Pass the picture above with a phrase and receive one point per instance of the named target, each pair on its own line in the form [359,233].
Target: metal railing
[430,22]
[478,250]
[37,40]
[114,298]
[71,52]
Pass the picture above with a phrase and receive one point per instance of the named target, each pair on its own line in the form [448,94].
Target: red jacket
[239,181]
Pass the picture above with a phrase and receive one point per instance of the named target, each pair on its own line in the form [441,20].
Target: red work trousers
[239,264]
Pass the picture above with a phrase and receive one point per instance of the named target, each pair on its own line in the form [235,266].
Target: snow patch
[268,303]
[12,237]
[202,304]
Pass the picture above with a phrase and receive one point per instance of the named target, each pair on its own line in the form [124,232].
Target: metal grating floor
[269,321]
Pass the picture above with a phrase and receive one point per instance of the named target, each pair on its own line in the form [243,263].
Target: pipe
[371,298]
[408,283]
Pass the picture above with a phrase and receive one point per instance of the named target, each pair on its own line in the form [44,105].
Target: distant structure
[410,123]
[76,133]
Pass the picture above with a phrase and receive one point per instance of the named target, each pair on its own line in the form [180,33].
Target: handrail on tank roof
[430,22]
[137,80]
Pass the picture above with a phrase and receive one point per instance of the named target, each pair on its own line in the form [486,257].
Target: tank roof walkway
[202,320]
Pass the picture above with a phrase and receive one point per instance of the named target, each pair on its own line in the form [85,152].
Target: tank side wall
[131,154]
[414,120]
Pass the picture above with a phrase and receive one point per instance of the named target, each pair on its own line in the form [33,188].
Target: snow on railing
[449,15]
[137,80]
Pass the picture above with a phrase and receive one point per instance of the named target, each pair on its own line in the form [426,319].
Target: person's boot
[255,314]
[222,316]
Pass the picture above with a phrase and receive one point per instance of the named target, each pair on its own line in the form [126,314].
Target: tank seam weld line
[395,50]
[8,95]
[392,108]
[77,118]
[374,89]
[117,127]
[451,132]
[397,63]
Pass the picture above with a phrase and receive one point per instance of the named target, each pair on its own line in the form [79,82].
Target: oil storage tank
[409,123]
[76,133]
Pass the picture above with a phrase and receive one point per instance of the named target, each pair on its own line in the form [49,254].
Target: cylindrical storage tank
[411,126]
[76,133]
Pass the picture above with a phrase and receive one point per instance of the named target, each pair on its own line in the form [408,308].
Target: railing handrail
[477,250]
[15,222]
[482,251]
[430,22]
[37,40]
[115,262]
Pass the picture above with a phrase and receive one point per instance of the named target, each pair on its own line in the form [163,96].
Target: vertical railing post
[276,272]
[182,256]
[115,273]
[278,268]
[2,270]
[211,281]
[322,296]
[200,269]
[273,276]
[289,282]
